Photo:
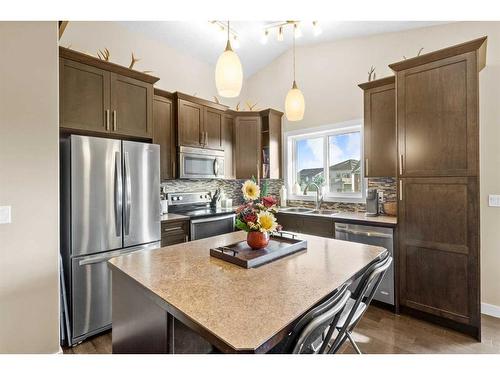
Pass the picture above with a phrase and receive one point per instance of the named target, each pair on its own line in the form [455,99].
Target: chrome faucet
[319,194]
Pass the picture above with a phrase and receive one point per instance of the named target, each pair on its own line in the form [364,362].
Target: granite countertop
[245,307]
[172,217]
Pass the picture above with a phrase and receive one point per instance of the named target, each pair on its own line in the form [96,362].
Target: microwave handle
[216,166]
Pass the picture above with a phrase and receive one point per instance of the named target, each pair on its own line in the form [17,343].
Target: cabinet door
[84,95]
[163,135]
[247,133]
[290,222]
[213,129]
[132,107]
[438,226]
[380,131]
[191,123]
[318,226]
[437,118]
[228,145]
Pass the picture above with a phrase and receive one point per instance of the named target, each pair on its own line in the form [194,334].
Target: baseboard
[491,310]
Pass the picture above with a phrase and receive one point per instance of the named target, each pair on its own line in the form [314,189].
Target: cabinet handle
[366,167]
[187,238]
[107,119]
[173,229]
[200,138]
[206,137]
[114,120]
[400,190]
[173,169]
[401,164]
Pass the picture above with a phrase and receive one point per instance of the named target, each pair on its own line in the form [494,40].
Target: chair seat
[347,310]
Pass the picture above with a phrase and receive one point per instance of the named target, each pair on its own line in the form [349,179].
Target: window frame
[290,159]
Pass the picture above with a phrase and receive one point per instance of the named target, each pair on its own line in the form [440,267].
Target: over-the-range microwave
[200,163]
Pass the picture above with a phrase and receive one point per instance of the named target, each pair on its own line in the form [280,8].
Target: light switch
[381,196]
[494,200]
[5,217]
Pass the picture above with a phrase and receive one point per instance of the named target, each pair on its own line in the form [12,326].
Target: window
[328,156]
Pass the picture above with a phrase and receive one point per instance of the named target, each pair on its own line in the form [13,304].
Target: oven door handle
[363,233]
[213,218]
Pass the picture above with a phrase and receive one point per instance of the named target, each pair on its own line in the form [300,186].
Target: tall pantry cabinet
[437,116]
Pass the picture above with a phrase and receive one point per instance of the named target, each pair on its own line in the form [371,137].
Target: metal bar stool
[357,305]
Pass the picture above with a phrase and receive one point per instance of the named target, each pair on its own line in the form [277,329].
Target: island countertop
[245,308]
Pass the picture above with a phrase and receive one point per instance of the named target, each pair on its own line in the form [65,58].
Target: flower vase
[257,240]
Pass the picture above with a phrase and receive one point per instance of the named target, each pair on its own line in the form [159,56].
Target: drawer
[175,227]
[172,239]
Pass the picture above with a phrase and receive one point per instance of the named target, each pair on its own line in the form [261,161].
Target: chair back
[364,292]
[308,335]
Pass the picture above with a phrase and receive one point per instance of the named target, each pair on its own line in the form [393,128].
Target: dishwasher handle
[363,233]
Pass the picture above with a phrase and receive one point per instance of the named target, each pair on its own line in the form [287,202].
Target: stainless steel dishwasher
[377,236]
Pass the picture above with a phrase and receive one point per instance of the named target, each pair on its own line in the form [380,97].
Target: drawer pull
[173,229]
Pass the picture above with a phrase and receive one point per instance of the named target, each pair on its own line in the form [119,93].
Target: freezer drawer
[91,291]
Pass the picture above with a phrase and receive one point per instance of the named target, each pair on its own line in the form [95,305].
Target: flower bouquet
[256,215]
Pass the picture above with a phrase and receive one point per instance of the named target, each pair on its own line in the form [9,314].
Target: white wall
[29,165]
[328,75]
[177,71]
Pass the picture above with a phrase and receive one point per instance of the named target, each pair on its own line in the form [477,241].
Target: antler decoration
[371,74]
[134,60]
[103,55]
[216,99]
[250,106]
[418,53]
[238,106]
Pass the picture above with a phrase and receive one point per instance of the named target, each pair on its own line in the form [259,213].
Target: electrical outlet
[494,200]
[5,215]
[381,197]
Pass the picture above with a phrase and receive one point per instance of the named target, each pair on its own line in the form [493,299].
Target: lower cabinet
[316,226]
[438,223]
[174,232]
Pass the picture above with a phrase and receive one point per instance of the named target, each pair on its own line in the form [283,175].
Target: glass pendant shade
[295,104]
[228,73]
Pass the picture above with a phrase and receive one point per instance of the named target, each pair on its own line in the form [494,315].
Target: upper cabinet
[98,97]
[164,132]
[228,145]
[380,127]
[437,112]
[199,122]
[258,144]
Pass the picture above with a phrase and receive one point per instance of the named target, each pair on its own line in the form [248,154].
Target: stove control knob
[174,198]
[201,196]
[179,198]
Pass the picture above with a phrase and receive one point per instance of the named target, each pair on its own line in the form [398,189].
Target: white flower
[251,190]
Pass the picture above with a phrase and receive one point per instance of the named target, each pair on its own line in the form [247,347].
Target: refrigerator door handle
[128,194]
[118,194]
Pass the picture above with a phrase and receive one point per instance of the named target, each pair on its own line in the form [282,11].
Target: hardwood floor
[381,332]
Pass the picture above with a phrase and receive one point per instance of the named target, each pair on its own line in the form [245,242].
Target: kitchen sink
[297,210]
[323,212]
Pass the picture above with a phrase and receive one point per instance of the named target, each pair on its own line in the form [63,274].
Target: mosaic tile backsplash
[232,189]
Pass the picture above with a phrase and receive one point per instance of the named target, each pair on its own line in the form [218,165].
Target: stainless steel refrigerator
[110,206]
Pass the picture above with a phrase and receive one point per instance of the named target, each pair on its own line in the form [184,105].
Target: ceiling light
[316,28]
[264,38]
[294,103]
[280,34]
[297,32]
[228,71]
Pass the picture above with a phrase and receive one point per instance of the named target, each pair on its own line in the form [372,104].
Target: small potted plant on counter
[256,215]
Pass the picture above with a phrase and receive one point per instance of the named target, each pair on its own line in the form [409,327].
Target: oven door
[212,226]
[200,163]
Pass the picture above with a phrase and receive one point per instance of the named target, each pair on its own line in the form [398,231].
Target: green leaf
[242,225]
[264,189]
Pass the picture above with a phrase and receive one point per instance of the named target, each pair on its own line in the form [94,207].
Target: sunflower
[267,221]
[251,190]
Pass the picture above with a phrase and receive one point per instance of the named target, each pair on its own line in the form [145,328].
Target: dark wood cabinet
[439,247]
[380,127]
[438,210]
[313,225]
[248,145]
[213,129]
[228,146]
[258,136]
[131,106]
[84,97]
[174,232]
[101,98]
[164,133]
[191,119]
[199,122]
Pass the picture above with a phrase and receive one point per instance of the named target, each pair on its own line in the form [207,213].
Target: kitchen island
[179,299]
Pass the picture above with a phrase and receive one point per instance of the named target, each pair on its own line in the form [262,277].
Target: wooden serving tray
[241,254]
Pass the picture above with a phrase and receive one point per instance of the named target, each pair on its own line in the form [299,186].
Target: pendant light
[295,105]
[228,72]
